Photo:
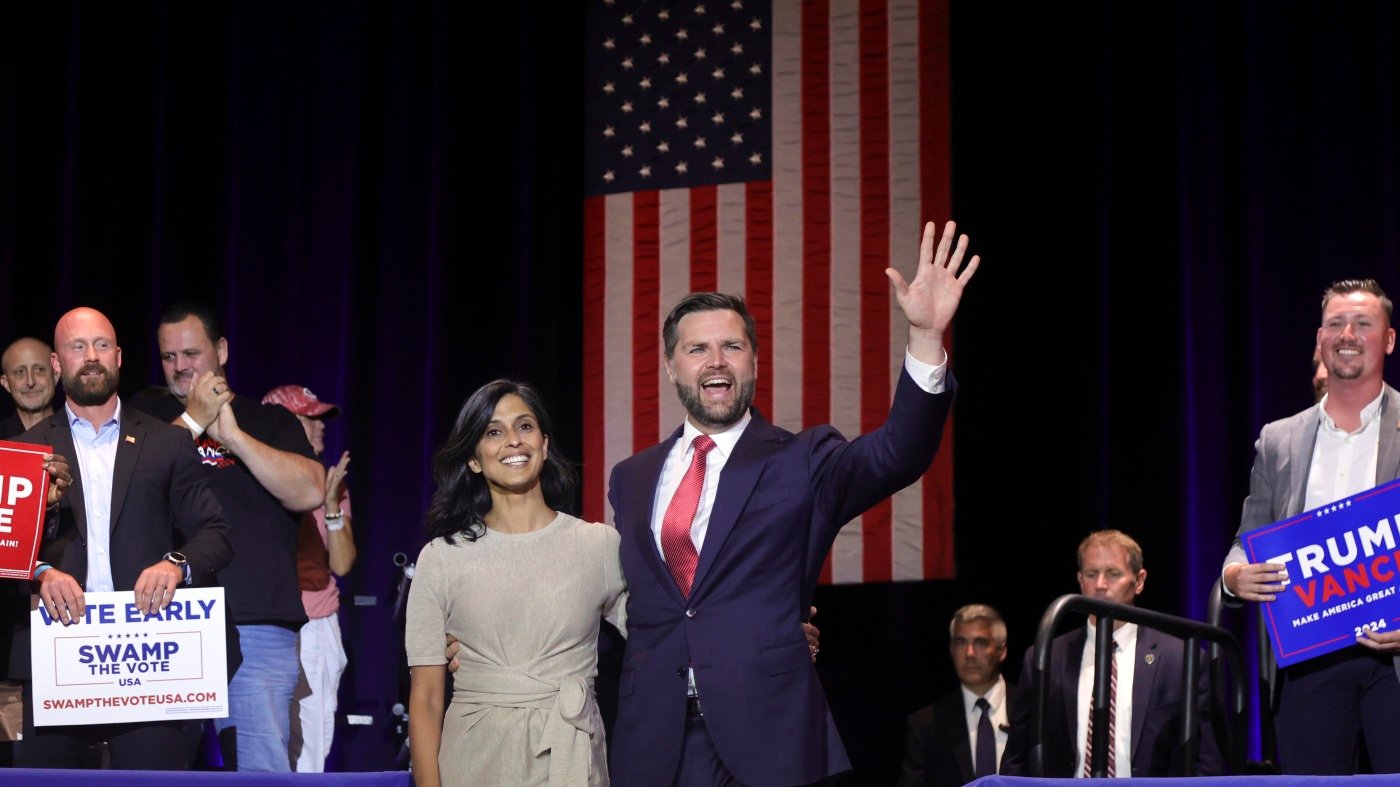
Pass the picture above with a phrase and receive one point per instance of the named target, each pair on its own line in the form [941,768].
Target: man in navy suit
[1148,668]
[946,746]
[724,529]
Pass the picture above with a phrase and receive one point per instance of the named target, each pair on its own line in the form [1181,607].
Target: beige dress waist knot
[569,723]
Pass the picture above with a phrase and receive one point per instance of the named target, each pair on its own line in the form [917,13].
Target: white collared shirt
[96,451]
[996,699]
[1125,654]
[1343,464]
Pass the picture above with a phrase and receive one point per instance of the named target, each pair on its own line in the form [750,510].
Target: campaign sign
[1343,573]
[24,492]
[118,664]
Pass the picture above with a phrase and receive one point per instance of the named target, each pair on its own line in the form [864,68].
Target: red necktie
[1112,721]
[676,545]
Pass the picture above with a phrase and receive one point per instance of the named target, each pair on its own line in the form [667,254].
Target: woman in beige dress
[523,588]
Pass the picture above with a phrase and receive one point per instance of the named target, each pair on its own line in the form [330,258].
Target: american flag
[787,152]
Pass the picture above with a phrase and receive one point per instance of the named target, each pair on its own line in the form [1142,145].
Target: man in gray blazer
[1348,442]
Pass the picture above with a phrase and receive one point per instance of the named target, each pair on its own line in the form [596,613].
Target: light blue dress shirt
[96,451]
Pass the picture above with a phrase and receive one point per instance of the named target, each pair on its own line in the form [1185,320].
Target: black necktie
[986,763]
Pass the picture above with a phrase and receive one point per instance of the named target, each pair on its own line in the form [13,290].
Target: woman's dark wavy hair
[462,497]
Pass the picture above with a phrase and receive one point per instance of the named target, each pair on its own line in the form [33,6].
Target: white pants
[313,717]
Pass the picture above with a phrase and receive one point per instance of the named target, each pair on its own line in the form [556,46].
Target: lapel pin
[131,439]
[1149,658]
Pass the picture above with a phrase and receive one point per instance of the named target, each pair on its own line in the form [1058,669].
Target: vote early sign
[1343,573]
[118,664]
[24,491]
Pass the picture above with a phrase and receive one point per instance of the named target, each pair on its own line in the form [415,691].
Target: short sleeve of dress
[615,605]
[425,628]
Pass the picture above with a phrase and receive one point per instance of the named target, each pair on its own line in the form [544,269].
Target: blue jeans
[260,698]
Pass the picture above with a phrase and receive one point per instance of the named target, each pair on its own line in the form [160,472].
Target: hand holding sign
[57,468]
[62,596]
[155,588]
[1383,642]
[1256,581]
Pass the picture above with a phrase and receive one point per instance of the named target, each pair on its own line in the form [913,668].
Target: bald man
[28,377]
[139,516]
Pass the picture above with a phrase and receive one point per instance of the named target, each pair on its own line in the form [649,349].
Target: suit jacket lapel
[962,753]
[648,469]
[1144,676]
[1300,461]
[1069,680]
[129,445]
[736,483]
[1388,451]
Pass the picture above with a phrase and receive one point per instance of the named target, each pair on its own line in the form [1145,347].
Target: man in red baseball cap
[325,546]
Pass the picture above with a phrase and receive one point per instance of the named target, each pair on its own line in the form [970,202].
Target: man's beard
[90,393]
[716,415]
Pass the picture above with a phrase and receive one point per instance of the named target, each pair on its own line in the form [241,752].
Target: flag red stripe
[816,220]
[646,299]
[876,555]
[595,283]
[936,195]
[704,239]
[758,282]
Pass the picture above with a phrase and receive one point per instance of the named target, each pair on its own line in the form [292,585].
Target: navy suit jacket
[160,502]
[1156,730]
[780,501]
[938,752]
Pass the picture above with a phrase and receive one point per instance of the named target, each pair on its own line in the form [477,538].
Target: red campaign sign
[24,490]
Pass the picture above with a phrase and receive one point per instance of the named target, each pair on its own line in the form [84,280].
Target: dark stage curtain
[384,199]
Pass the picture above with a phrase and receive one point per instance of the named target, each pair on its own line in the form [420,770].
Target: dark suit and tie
[1155,726]
[938,752]
[717,683]
[1111,569]
[960,737]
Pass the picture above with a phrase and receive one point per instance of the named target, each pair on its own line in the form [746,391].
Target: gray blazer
[1278,484]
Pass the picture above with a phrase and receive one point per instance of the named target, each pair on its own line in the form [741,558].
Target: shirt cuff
[1224,588]
[930,378]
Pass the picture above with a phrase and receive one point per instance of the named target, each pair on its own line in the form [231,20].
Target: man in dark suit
[962,736]
[1347,443]
[1148,666]
[139,516]
[724,529]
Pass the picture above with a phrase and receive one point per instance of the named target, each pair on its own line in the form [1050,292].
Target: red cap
[301,401]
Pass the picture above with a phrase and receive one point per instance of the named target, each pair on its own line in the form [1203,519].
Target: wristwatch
[176,558]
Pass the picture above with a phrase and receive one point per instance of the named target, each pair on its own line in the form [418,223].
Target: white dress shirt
[996,699]
[1125,654]
[96,450]
[1343,464]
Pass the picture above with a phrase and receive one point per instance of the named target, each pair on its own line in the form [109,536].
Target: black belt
[692,708]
